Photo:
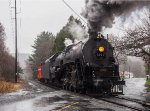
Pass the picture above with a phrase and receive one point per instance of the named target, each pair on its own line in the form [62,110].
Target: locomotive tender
[88,67]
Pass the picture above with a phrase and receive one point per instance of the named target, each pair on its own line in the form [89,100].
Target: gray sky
[46,15]
[36,16]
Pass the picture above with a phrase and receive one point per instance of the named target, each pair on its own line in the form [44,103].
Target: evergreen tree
[64,33]
[42,50]
[46,44]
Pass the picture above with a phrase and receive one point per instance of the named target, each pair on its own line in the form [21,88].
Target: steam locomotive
[87,67]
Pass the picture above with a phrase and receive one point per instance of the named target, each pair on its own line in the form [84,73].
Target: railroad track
[134,104]
[129,103]
[45,84]
[144,103]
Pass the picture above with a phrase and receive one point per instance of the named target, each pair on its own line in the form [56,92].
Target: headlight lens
[101,49]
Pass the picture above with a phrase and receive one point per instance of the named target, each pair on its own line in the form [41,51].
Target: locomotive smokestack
[92,33]
[101,13]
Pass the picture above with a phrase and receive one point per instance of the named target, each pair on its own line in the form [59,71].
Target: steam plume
[68,42]
[101,13]
[78,33]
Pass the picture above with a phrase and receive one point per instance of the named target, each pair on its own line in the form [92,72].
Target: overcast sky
[36,16]
[44,15]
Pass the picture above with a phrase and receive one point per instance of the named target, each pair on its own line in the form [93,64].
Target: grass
[6,87]
[147,84]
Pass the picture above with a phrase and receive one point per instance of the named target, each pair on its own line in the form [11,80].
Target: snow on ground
[30,90]
[135,88]
[20,92]
[61,101]
[27,105]
[31,84]
[37,97]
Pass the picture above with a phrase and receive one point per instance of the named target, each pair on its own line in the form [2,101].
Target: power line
[74,11]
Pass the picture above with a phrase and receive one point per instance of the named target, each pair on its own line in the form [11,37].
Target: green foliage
[45,44]
[147,69]
[60,38]
[147,84]
[64,33]
[42,50]
[148,89]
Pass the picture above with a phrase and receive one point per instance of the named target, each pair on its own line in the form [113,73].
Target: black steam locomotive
[88,67]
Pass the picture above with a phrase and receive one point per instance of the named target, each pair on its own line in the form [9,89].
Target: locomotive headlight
[101,49]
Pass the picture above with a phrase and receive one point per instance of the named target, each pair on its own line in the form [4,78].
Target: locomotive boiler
[87,67]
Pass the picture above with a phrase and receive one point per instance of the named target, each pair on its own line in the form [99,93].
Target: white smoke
[68,42]
[78,32]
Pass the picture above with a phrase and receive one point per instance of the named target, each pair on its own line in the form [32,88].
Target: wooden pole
[16,73]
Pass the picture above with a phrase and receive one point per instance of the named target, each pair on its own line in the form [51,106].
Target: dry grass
[6,87]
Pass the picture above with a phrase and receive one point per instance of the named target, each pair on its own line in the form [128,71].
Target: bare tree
[2,47]
[2,34]
[7,61]
[8,66]
[119,54]
[136,42]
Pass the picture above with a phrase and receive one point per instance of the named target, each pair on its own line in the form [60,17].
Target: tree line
[47,44]
[136,42]
[7,61]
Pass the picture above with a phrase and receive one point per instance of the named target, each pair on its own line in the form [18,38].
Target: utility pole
[16,72]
